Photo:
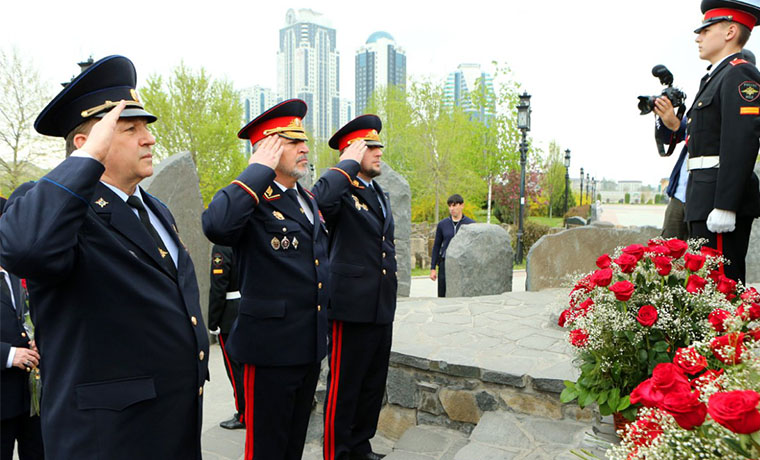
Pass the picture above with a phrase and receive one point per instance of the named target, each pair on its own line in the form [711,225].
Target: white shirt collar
[121,193]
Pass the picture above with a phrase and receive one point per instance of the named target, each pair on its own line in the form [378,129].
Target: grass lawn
[548,221]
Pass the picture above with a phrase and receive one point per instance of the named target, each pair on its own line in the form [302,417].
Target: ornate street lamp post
[523,124]
[567,176]
[581,186]
[588,186]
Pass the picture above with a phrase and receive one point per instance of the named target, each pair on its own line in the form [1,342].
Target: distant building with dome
[379,63]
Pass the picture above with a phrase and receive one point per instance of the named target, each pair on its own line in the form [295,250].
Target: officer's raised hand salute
[355,151]
[98,142]
[269,152]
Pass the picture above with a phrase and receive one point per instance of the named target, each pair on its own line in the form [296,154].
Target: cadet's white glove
[215,332]
[721,221]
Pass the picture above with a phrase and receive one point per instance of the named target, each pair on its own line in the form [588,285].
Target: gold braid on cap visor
[108,105]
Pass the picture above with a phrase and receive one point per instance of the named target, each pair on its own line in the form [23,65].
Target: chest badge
[749,90]
[278,215]
[275,243]
[101,202]
[285,243]
[358,204]
[162,252]
[295,243]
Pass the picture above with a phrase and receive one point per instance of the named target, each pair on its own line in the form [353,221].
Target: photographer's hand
[664,109]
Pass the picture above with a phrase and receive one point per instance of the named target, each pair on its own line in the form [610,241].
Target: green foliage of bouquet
[635,311]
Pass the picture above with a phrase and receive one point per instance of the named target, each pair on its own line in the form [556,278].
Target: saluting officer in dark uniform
[722,195]
[18,356]
[363,289]
[279,241]
[115,299]
[223,305]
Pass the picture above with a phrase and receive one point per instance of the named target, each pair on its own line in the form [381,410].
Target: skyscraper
[459,87]
[256,100]
[307,68]
[380,62]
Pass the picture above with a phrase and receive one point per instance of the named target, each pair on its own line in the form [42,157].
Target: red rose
[694,261]
[563,318]
[647,315]
[748,312]
[644,430]
[584,284]
[636,250]
[754,311]
[686,408]
[659,250]
[667,378]
[736,410]
[603,261]
[677,247]
[23,283]
[755,333]
[695,284]
[626,262]
[728,348]
[710,252]
[602,277]
[689,360]
[623,290]
[715,275]
[585,306]
[726,286]
[717,317]
[705,379]
[663,265]
[578,337]
[751,295]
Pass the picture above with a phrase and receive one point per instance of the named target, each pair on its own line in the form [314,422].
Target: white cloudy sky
[584,62]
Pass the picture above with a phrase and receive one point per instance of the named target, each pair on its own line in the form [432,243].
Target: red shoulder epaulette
[738,61]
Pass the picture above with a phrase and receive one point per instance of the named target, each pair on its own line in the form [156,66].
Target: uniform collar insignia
[269,194]
[101,202]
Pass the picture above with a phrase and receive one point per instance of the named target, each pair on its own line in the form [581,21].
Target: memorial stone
[479,261]
[753,251]
[401,204]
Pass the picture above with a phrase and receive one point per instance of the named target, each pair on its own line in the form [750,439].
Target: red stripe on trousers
[720,249]
[332,400]
[232,378]
[248,383]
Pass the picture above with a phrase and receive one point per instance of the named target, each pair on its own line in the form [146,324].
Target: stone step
[426,442]
[502,435]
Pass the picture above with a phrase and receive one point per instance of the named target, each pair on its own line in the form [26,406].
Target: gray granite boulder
[479,261]
[175,182]
[401,204]
[554,259]
[753,252]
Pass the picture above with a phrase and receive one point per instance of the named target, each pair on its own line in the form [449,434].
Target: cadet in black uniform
[223,305]
[115,298]
[722,195]
[363,289]
[279,241]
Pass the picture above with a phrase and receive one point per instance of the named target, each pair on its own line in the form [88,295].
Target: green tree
[200,115]
[23,94]
[553,180]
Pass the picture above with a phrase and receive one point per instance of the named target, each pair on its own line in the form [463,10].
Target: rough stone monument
[753,252]
[479,261]
[555,258]
[401,204]
[175,182]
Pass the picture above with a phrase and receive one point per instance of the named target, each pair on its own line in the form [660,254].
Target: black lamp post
[567,175]
[593,189]
[581,186]
[588,186]
[523,124]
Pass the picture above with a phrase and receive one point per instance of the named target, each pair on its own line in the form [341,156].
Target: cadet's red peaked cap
[366,127]
[284,119]
[744,12]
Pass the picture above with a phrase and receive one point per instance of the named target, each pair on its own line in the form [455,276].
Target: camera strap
[672,145]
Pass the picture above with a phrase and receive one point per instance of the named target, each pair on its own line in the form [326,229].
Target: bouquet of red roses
[636,310]
[703,404]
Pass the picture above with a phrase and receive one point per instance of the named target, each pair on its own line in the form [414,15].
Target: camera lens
[646,104]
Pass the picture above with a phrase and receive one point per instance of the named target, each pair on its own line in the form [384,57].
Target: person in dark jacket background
[445,231]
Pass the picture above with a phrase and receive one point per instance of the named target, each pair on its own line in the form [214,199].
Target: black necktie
[293,195]
[5,292]
[371,186]
[137,203]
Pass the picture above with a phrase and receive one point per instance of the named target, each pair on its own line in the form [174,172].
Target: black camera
[676,96]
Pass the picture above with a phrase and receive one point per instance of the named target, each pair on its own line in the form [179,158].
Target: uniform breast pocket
[704,115]
[285,236]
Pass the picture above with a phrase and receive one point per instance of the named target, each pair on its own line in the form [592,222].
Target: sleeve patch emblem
[217,258]
[218,271]
[749,90]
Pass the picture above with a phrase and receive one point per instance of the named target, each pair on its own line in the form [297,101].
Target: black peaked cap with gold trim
[94,92]
[366,127]
[284,119]
[745,12]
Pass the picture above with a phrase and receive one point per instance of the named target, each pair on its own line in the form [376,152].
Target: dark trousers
[25,430]
[278,404]
[734,244]
[674,225]
[358,357]
[442,278]
[235,374]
